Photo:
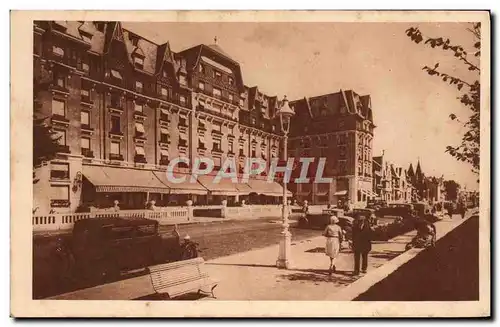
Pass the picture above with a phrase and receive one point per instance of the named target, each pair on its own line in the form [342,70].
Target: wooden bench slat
[181,277]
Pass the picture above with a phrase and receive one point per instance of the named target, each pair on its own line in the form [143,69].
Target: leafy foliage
[452,188]
[468,149]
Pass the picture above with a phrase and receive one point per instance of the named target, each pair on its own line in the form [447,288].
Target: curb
[363,284]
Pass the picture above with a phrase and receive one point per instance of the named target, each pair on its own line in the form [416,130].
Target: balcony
[60,89]
[217,134]
[114,107]
[59,119]
[139,115]
[139,158]
[114,134]
[164,142]
[85,99]
[115,156]
[59,203]
[182,126]
[202,128]
[87,153]
[59,174]
[63,148]
[86,127]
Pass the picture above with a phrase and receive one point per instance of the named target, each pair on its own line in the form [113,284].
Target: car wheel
[189,252]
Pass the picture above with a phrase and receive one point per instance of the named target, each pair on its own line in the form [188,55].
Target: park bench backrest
[178,277]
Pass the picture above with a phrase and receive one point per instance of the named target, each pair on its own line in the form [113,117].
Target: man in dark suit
[361,242]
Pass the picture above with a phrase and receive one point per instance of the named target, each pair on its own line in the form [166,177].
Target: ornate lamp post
[285,113]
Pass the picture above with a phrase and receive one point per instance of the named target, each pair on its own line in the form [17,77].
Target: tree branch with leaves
[470,91]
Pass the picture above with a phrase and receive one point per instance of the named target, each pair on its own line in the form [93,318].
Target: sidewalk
[253,276]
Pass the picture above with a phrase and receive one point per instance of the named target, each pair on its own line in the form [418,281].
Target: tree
[451,188]
[45,141]
[468,149]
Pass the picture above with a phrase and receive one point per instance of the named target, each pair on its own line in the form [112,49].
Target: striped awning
[261,186]
[186,187]
[223,187]
[123,180]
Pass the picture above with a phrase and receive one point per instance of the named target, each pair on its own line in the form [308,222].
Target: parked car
[367,212]
[424,211]
[404,210]
[376,204]
[320,221]
[104,247]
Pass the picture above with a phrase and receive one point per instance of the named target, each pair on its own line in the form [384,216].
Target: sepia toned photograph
[183,161]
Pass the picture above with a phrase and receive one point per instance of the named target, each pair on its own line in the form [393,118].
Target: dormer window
[201,86]
[182,80]
[139,62]
[217,75]
[138,86]
[217,92]
[201,69]
[182,100]
[164,73]
[231,97]
[58,51]
[242,102]
[231,81]
[133,39]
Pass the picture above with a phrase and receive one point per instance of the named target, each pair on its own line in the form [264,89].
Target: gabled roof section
[410,172]
[113,32]
[143,48]
[164,54]
[252,94]
[215,53]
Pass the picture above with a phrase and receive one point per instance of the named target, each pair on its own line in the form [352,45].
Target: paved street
[252,275]
[216,239]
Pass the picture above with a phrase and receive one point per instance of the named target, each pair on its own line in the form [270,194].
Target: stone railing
[62,221]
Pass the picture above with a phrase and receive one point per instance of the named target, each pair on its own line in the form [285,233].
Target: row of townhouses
[123,107]
[396,184]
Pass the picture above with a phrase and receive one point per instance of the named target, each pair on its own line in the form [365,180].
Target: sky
[410,108]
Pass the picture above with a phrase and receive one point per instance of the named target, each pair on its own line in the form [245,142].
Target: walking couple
[361,242]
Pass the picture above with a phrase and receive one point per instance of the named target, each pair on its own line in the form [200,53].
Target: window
[60,136]
[342,151]
[201,86]
[217,145]
[342,139]
[116,74]
[59,108]
[164,92]
[164,74]
[231,81]
[342,110]
[273,128]
[139,129]
[342,166]
[85,93]
[217,92]
[85,142]
[138,86]
[59,196]
[182,121]
[163,135]
[217,75]
[115,124]
[58,51]
[182,80]
[201,69]
[231,146]
[242,102]
[85,118]
[182,99]
[60,81]
[360,168]
[139,151]
[231,97]
[254,121]
[115,148]
[138,62]
[59,170]
[116,101]
[163,156]
[201,143]
[85,67]
[138,107]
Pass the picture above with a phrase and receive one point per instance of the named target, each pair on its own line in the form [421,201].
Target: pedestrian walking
[462,209]
[334,237]
[361,242]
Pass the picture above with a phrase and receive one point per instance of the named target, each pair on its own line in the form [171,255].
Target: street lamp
[285,113]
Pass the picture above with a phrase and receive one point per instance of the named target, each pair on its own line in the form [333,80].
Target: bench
[181,277]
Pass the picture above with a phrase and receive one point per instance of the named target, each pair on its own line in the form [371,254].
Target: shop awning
[340,193]
[186,187]
[264,187]
[114,179]
[224,187]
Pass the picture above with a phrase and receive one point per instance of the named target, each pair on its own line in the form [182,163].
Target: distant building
[339,127]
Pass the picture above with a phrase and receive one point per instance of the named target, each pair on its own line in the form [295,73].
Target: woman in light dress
[334,237]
